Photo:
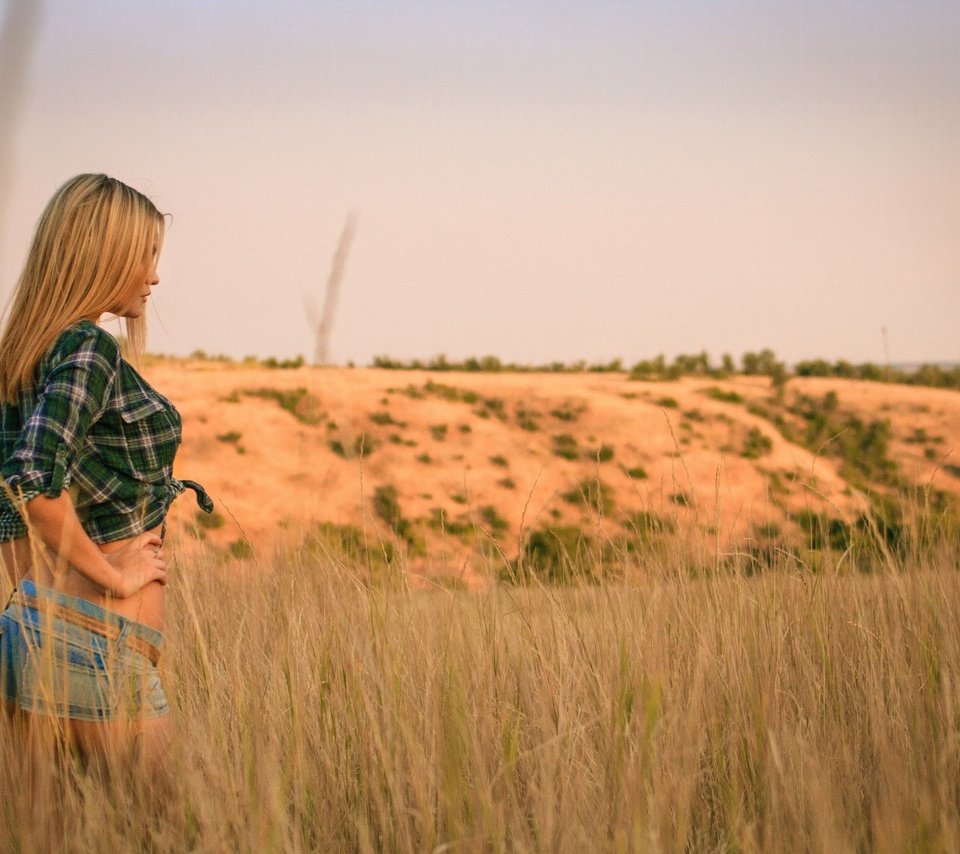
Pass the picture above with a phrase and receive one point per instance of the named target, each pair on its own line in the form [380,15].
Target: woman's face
[138,290]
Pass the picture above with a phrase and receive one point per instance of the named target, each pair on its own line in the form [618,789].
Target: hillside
[440,466]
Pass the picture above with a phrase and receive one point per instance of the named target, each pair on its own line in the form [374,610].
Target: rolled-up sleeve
[80,374]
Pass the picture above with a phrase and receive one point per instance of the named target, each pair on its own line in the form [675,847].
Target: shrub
[565,446]
[493,520]
[439,521]
[424,458]
[823,531]
[636,473]
[499,460]
[567,412]
[209,521]
[554,553]
[604,454]
[768,530]
[299,402]
[347,540]
[756,444]
[507,483]
[646,523]
[363,444]
[592,493]
[387,507]
[492,406]
[385,418]
[667,402]
[231,437]
[241,549]
[717,393]
[527,419]
[439,432]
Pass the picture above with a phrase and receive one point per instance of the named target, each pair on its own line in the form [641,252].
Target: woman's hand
[139,563]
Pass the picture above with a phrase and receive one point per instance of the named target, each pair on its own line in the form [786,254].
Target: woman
[86,456]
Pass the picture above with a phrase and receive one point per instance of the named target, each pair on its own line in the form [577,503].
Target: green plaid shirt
[92,424]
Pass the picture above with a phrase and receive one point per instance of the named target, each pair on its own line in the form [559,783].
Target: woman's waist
[31,603]
[29,559]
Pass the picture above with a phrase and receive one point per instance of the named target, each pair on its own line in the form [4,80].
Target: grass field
[678,707]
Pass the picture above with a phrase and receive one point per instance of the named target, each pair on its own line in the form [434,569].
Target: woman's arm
[125,572]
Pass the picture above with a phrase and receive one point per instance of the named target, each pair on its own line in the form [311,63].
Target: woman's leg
[145,741]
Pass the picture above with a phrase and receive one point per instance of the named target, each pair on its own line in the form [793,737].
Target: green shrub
[636,473]
[493,520]
[565,446]
[424,458]
[756,444]
[667,402]
[499,460]
[231,437]
[603,454]
[717,393]
[555,554]
[823,531]
[299,402]
[209,521]
[385,418]
[647,524]
[567,412]
[592,493]
[387,507]
[345,541]
[440,521]
[241,549]
[527,419]
[768,530]
[507,483]
[491,406]
[363,445]
[439,432]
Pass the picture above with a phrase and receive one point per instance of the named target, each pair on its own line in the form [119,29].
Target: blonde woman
[86,456]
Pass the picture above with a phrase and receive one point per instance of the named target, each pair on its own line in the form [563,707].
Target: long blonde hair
[93,236]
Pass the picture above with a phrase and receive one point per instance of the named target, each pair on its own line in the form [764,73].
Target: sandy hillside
[280,450]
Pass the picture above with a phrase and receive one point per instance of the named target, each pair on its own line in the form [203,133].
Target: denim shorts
[50,665]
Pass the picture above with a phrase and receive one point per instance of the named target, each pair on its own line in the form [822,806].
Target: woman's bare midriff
[23,559]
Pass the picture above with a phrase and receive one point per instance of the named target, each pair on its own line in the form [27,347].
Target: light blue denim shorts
[50,665]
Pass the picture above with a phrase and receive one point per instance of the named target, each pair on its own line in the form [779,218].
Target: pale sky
[535,180]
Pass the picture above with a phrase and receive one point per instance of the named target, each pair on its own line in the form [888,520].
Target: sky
[536,180]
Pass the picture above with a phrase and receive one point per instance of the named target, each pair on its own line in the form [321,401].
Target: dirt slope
[280,450]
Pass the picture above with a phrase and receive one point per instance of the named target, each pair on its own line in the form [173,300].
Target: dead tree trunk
[322,324]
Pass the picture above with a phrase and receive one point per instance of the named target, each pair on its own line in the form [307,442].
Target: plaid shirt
[92,424]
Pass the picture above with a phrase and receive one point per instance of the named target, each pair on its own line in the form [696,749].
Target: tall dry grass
[679,711]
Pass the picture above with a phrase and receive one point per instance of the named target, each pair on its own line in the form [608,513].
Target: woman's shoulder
[84,341]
